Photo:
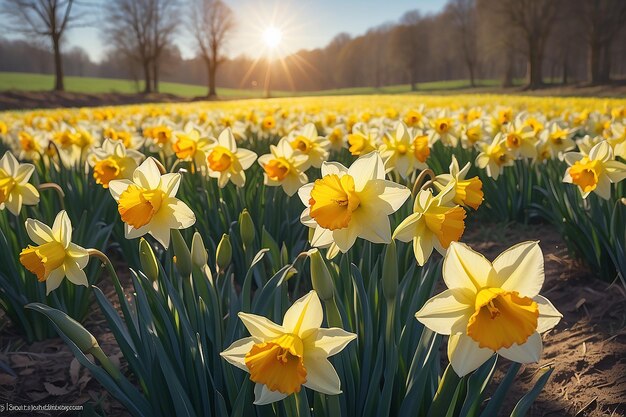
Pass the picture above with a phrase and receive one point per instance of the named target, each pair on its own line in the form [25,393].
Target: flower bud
[68,326]
[199,255]
[181,251]
[321,279]
[246,228]
[224,253]
[390,272]
[149,264]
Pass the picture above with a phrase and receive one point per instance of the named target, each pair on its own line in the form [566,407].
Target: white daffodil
[226,162]
[403,152]
[312,145]
[284,167]
[520,138]
[491,307]
[434,224]
[594,172]
[112,161]
[15,190]
[147,204]
[494,157]
[467,192]
[55,256]
[347,203]
[282,358]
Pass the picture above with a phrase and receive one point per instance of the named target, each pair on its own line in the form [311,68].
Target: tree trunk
[58,64]
[470,67]
[593,67]
[155,76]
[146,73]
[604,75]
[507,76]
[212,77]
[535,62]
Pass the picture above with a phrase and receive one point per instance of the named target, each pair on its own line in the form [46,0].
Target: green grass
[89,85]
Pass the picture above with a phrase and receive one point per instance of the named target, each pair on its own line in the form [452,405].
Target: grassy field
[43,82]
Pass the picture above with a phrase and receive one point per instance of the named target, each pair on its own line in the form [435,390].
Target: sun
[272,37]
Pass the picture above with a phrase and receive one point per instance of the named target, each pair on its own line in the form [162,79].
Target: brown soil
[587,349]
[20,100]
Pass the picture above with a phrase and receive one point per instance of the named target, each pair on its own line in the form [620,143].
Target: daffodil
[54,256]
[399,153]
[15,190]
[282,358]
[434,224]
[491,307]
[363,139]
[312,145]
[112,161]
[558,138]
[147,204]
[443,130]
[347,203]
[494,157]
[284,167]
[226,162]
[467,192]
[594,172]
[192,145]
[520,138]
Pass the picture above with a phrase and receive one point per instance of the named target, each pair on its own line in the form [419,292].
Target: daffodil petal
[321,376]
[520,268]
[329,342]
[366,168]
[236,353]
[528,352]
[62,229]
[448,312]
[465,355]
[117,187]
[262,395]
[305,314]
[75,274]
[260,327]
[465,268]
[549,316]
[54,280]
[39,232]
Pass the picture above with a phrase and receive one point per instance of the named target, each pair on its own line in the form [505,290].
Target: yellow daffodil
[467,192]
[15,190]
[192,145]
[284,167]
[520,138]
[112,161]
[443,129]
[310,144]
[472,133]
[147,204]
[559,139]
[54,256]
[494,157]
[403,154]
[594,172]
[435,223]
[363,139]
[282,358]
[491,307]
[226,162]
[347,203]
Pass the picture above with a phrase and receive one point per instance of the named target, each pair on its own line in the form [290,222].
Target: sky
[305,24]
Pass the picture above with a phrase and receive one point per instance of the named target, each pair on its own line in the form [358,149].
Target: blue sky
[306,24]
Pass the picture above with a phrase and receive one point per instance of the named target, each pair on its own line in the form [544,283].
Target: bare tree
[141,29]
[602,20]
[409,43]
[42,18]
[533,20]
[211,23]
[464,24]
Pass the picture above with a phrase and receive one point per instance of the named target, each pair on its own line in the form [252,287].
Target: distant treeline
[466,39]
